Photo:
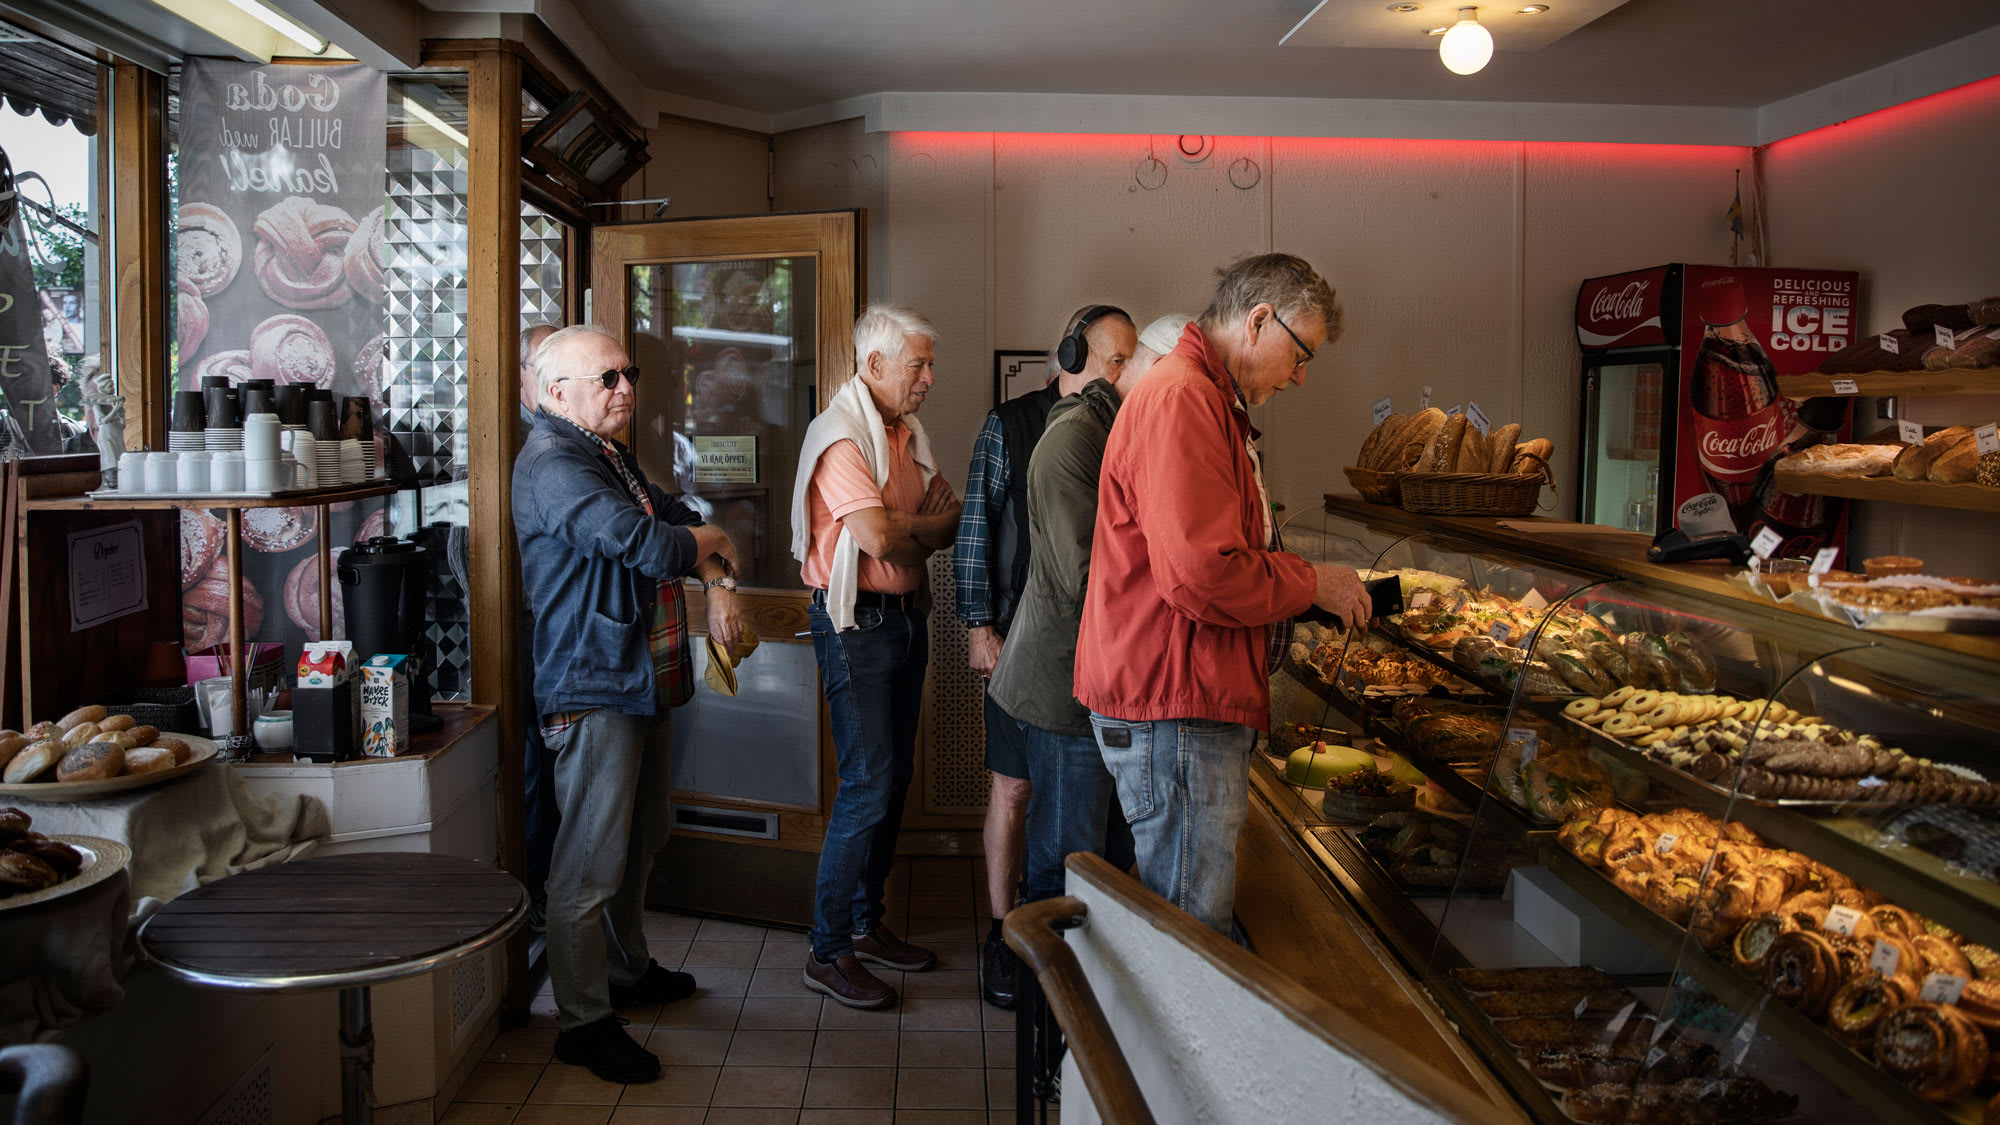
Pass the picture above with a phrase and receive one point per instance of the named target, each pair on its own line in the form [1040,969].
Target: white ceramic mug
[273,730]
[262,474]
[225,472]
[161,473]
[260,437]
[191,472]
[132,472]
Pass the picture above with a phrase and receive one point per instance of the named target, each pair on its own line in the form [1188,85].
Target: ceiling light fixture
[423,113]
[282,24]
[1531,10]
[1468,46]
[1434,32]
[1404,7]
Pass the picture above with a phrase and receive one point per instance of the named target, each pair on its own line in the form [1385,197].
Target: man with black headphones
[990,565]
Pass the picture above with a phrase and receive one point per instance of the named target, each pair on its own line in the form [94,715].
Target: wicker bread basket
[1375,487]
[1470,494]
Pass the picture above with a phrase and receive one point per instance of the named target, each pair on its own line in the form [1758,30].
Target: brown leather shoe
[848,981]
[882,947]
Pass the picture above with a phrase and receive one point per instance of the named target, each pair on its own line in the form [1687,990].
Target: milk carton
[385,705]
[323,664]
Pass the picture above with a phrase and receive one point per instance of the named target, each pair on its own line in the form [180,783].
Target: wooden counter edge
[434,745]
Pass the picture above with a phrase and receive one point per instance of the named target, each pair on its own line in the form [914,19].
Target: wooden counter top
[460,719]
[1592,549]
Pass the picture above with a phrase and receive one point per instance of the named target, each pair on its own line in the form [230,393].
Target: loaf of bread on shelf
[1957,464]
[1403,443]
[1502,453]
[1472,452]
[1843,459]
[1373,443]
[1914,462]
[1442,452]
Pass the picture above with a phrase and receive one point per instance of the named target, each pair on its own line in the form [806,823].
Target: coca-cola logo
[1749,445]
[1619,304]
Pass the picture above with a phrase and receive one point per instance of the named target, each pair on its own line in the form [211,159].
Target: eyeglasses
[609,379]
[1295,340]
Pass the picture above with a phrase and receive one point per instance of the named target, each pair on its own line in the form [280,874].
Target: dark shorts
[1006,746]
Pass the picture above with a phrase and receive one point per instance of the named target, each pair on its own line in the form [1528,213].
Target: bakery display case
[1659,851]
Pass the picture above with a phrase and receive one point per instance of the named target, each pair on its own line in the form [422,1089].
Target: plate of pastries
[90,752]
[36,868]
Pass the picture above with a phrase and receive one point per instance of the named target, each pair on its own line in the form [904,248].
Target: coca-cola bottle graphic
[1806,523]
[1740,419]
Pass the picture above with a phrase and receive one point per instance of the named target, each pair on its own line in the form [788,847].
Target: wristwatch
[726,582]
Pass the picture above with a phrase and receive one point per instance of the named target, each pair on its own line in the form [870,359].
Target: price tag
[1942,988]
[1823,560]
[1425,402]
[1529,742]
[1454,408]
[1381,411]
[1945,338]
[1846,387]
[1654,1056]
[1911,433]
[1889,344]
[1500,631]
[1766,541]
[1987,439]
[1840,920]
[1885,959]
[1535,600]
[1582,1006]
[1477,417]
[1666,842]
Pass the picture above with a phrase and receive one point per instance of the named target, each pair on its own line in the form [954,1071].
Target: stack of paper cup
[326,464]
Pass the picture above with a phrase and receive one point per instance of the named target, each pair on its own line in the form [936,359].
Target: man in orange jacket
[1186,579]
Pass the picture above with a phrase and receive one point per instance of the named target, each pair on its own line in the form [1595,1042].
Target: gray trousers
[611,783]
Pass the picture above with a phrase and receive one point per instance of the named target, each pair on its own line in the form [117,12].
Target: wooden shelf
[141,502]
[1951,381]
[1855,1076]
[1928,494]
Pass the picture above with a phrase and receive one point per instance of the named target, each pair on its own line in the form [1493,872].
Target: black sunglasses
[1295,339]
[610,378]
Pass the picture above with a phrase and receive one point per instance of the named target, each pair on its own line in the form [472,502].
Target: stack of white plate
[368,459]
[186,441]
[326,464]
[218,439]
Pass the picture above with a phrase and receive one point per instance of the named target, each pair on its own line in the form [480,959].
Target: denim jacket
[591,564]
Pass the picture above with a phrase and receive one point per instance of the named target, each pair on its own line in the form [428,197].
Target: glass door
[1627,418]
[742,327]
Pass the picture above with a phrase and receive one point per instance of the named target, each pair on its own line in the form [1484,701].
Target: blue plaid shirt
[985,499]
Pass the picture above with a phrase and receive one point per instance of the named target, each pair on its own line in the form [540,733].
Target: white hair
[528,348]
[554,360]
[885,330]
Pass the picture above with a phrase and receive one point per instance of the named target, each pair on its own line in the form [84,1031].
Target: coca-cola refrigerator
[1680,397]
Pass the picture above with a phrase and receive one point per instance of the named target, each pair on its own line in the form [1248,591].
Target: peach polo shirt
[841,484]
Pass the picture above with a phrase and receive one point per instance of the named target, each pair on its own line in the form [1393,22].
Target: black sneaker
[999,973]
[608,1052]
[658,985]
[538,914]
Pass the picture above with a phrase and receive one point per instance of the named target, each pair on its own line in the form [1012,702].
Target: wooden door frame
[824,236]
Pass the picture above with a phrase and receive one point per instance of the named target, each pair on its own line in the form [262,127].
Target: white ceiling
[786,56]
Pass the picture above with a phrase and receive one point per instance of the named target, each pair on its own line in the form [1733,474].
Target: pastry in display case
[1671,853]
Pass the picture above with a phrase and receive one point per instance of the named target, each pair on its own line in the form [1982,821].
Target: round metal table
[344,921]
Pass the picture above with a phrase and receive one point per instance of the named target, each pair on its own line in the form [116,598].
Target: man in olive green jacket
[1072,801]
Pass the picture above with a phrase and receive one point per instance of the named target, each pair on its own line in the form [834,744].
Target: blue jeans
[1073,809]
[1185,787]
[873,676]
[538,779]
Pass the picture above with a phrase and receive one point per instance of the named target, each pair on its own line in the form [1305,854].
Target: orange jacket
[1181,593]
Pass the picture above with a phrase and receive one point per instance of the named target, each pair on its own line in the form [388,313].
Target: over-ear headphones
[1074,351]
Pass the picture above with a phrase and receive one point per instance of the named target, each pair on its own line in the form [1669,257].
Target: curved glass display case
[1661,853]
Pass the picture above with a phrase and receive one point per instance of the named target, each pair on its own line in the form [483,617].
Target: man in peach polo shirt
[868,509]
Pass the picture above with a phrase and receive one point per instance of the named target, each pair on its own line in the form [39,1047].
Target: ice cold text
[1809,328]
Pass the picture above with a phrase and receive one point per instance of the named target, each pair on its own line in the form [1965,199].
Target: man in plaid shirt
[990,567]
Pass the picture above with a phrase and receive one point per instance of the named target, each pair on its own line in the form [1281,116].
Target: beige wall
[1905,196]
[706,171]
[1458,262]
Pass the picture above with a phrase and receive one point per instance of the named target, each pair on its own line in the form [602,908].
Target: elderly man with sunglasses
[603,554]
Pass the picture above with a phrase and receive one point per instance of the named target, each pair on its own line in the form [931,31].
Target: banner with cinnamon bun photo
[279,264]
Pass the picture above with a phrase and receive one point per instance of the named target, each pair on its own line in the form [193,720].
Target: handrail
[1033,932]
[1397,1067]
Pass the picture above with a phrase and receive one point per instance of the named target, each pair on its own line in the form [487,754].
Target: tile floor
[755,1046]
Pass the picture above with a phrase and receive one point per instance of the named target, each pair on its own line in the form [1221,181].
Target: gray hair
[528,348]
[884,330]
[554,359]
[1164,334]
[1286,281]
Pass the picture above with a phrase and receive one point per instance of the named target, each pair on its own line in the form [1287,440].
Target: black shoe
[658,985]
[538,915]
[999,972]
[608,1052]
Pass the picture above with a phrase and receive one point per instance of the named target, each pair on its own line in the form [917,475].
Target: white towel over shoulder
[850,416]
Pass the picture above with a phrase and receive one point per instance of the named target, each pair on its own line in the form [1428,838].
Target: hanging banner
[24,357]
[279,269]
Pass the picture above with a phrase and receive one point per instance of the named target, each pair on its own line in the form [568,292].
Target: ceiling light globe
[1466,48]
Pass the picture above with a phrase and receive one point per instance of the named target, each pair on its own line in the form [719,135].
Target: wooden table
[346,922]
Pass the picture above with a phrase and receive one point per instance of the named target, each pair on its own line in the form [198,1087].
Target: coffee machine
[383,582]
